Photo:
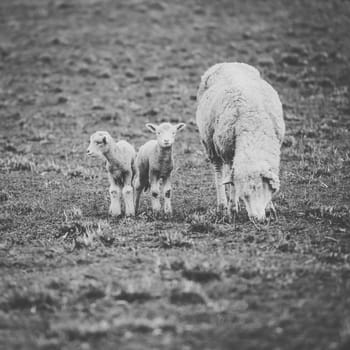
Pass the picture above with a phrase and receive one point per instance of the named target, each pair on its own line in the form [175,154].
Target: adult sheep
[240,121]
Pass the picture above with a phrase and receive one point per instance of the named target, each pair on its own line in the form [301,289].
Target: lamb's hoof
[127,220]
[222,209]
[223,214]
[114,214]
[168,215]
[232,215]
[156,214]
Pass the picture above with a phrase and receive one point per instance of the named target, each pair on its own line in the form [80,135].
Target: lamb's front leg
[220,187]
[167,196]
[115,193]
[155,192]
[128,195]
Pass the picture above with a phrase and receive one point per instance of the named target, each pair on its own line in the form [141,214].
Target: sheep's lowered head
[165,132]
[100,142]
[256,188]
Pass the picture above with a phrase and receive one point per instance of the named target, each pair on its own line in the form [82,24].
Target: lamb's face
[165,133]
[98,143]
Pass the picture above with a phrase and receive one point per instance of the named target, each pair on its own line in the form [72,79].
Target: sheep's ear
[272,179]
[104,140]
[180,126]
[151,127]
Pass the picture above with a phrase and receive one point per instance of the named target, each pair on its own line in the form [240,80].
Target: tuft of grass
[78,329]
[80,172]
[17,163]
[335,215]
[203,221]
[188,292]
[4,196]
[84,233]
[345,335]
[51,165]
[199,223]
[174,239]
[29,298]
[285,243]
[84,330]
[72,214]
[200,273]
[144,325]
[131,293]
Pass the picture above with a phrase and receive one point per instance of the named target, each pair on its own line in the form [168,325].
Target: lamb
[154,163]
[240,121]
[120,157]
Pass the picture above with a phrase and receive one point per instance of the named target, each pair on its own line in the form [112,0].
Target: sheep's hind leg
[115,207]
[220,188]
[233,204]
[128,196]
[167,197]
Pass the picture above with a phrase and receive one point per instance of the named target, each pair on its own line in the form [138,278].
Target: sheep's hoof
[261,225]
[255,223]
[271,210]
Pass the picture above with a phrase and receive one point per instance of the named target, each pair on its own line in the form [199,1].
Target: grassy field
[73,278]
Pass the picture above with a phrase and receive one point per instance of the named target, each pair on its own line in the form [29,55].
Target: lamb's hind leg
[115,193]
[138,190]
[128,196]
[167,197]
[155,192]
[220,187]
[233,203]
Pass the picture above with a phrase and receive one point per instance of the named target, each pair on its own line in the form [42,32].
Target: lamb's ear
[180,126]
[151,127]
[104,140]
[272,179]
